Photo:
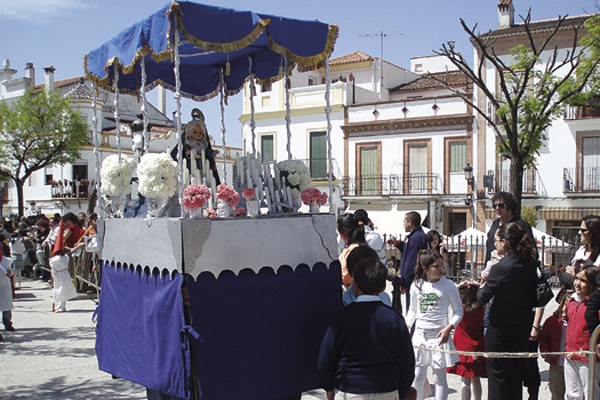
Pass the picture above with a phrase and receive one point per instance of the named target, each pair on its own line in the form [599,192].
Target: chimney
[506,14]
[6,72]
[49,71]
[30,74]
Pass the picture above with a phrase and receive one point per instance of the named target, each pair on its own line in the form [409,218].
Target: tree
[37,131]
[532,88]
[587,66]
[529,214]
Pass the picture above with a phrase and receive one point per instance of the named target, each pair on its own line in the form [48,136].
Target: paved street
[51,356]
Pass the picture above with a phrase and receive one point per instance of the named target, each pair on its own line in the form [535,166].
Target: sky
[61,32]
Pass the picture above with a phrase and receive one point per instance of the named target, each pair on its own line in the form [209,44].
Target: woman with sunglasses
[512,285]
[506,207]
[587,254]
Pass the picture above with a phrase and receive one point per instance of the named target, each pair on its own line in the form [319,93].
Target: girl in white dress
[431,295]
[64,289]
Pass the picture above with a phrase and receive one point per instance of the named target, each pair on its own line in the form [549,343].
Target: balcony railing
[582,112]
[392,185]
[588,180]
[530,181]
[72,189]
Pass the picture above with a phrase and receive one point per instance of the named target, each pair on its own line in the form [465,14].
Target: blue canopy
[213,41]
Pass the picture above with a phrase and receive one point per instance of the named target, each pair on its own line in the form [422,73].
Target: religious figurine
[195,137]
[137,136]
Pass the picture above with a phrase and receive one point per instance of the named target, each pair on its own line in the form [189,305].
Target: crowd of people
[445,322]
[51,249]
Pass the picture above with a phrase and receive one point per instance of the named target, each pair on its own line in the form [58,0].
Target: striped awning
[566,213]
[555,213]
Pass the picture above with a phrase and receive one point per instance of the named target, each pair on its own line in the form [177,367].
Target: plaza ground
[52,356]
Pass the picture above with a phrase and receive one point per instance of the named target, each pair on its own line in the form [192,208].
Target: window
[369,167]
[318,155]
[457,153]
[49,176]
[80,172]
[590,171]
[418,68]
[417,178]
[265,88]
[312,81]
[458,156]
[266,147]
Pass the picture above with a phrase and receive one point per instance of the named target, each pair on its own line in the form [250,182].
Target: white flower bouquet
[157,175]
[297,175]
[114,175]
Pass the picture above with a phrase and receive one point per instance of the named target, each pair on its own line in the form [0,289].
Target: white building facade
[565,185]
[390,134]
[67,188]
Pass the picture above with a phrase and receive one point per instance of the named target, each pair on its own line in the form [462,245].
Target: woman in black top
[512,284]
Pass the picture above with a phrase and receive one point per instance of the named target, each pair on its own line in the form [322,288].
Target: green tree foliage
[587,67]
[534,82]
[37,131]
[529,214]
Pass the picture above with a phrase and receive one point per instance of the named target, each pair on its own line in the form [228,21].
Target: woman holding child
[512,284]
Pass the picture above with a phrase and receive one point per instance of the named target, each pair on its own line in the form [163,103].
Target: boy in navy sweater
[367,348]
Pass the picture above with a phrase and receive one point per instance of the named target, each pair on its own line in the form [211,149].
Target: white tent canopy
[468,237]
[548,240]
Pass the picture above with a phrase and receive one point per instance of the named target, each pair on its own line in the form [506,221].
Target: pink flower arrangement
[311,194]
[195,196]
[240,212]
[210,213]
[249,194]
[228,195]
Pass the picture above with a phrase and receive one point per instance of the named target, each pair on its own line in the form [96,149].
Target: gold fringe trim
[310,63]
[226,47]
[303,64]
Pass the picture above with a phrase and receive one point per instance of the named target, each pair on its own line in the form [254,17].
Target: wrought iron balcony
[530,182]
[392,185]
[581,180]
[582,112]
[72,189]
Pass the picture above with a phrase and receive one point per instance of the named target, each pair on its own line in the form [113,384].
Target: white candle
[248,162]
[289,194]
[186,176]
[284,192]
[269,205]
[240,170]
[193,165]
[203,155]
[256,171]
[271,194]
[213,189]
[278,201]
[197,177]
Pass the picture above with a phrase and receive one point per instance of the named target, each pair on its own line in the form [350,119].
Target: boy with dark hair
[416,240]
[367,351]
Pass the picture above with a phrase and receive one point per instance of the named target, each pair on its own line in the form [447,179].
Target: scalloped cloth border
[304,64]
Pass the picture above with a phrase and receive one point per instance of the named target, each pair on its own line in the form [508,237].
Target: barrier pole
[592,373]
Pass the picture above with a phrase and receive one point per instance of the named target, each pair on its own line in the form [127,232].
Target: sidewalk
[51,356]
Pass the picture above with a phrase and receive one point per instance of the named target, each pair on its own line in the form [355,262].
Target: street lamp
[469,176]
[470,197]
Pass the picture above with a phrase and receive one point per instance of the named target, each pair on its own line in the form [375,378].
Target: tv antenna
[381,35]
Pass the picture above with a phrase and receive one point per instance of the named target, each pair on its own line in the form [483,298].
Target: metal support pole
[592,358]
